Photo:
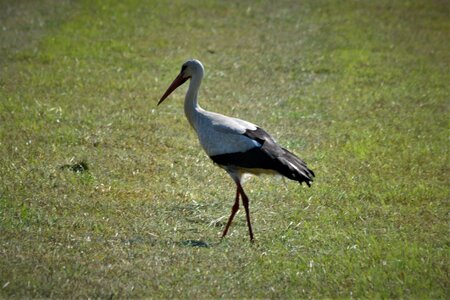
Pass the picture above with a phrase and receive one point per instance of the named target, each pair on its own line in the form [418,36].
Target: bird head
[191,68]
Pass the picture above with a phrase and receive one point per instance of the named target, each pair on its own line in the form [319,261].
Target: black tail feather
[295,168]
[281,161]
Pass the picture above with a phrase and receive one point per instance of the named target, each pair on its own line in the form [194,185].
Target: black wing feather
[269,156]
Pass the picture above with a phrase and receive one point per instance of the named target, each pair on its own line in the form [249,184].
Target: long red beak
[176,83]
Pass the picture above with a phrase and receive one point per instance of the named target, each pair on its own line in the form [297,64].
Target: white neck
[191,107]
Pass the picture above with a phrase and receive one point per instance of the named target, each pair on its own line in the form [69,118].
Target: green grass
[358,89]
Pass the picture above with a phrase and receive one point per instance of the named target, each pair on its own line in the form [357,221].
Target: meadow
[105,195]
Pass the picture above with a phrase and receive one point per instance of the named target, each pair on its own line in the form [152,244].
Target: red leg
[247,210]
[234,210]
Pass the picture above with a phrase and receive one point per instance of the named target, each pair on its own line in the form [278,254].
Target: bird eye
[183,68]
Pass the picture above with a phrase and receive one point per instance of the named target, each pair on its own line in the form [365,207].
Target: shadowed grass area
[103,195]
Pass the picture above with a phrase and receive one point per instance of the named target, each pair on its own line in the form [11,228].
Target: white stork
[237,146]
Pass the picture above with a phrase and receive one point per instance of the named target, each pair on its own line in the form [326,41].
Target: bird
[239,147]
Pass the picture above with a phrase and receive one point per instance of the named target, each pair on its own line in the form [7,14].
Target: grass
[358,89]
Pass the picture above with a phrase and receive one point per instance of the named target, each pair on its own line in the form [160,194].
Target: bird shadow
[153,241]
[194,244]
